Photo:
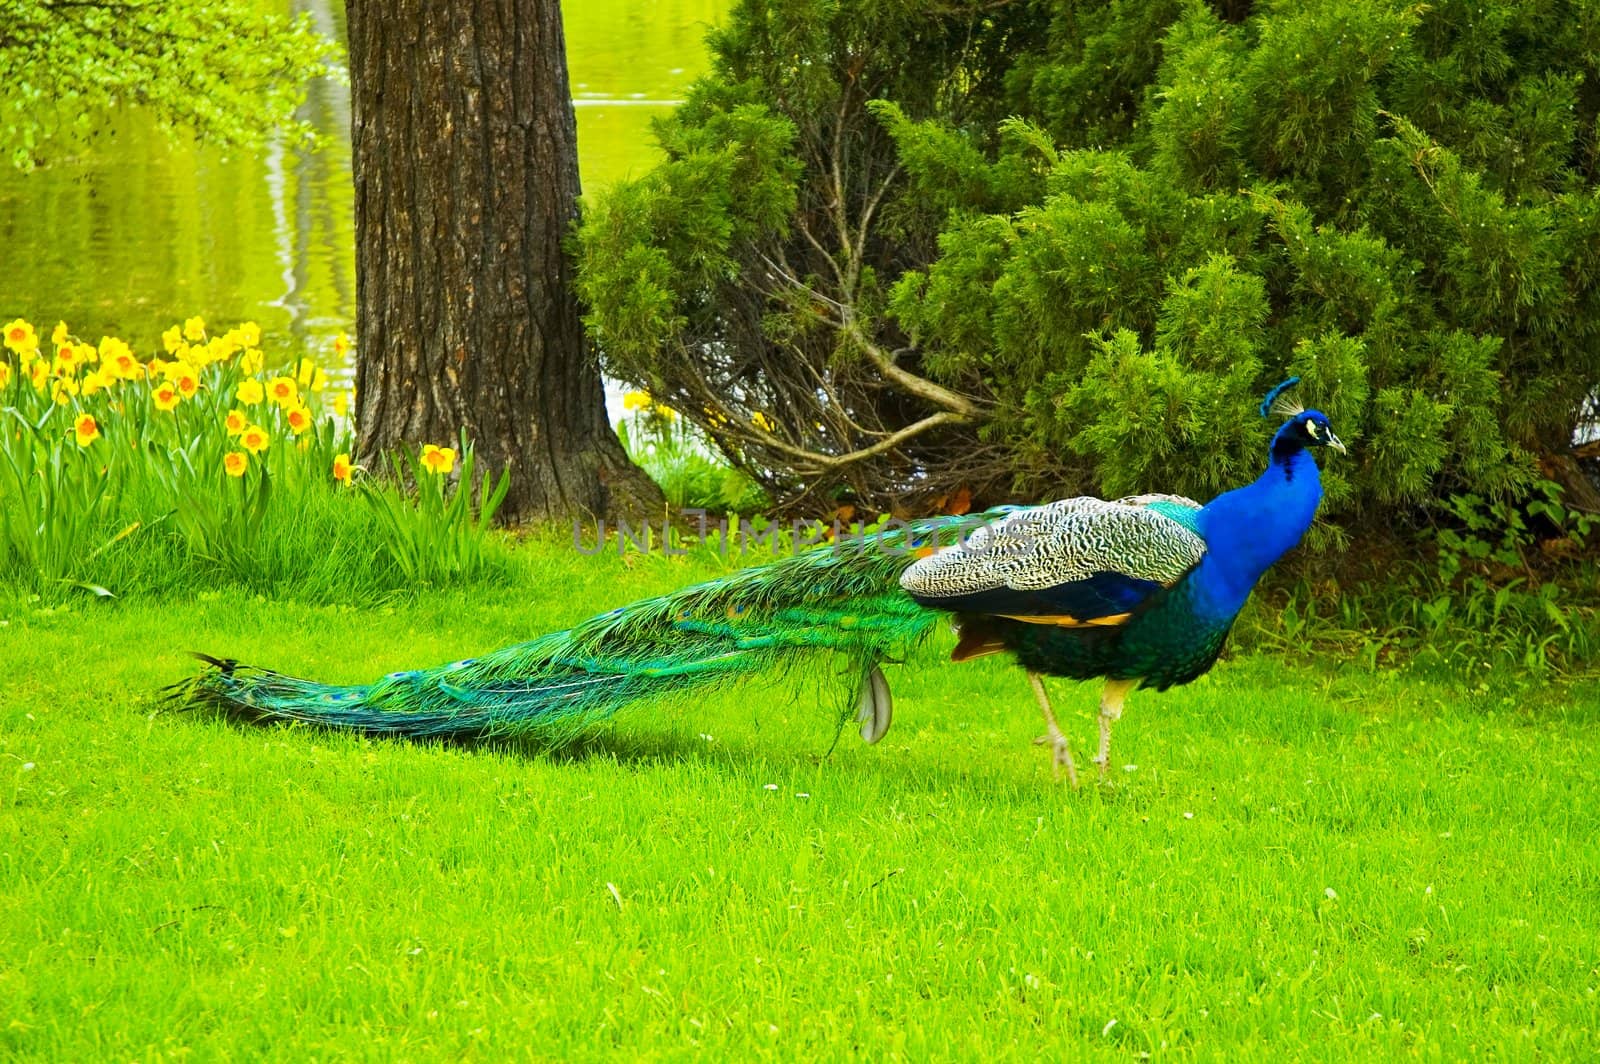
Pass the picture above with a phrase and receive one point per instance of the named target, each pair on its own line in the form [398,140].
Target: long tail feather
[844,600]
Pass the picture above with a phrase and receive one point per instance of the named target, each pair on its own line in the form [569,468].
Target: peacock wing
[1075,562]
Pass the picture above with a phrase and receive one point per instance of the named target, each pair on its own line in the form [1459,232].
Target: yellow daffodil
[156,367]
[39,374]
[166,396]
[125,366]
[342,468]
[19,336]
[187,381]
[63,390]
[5,374]
[665,413]
[172,338]
[111,347]
[59,334]
[299,419]
[310,376]
[235,462]
[250,362]
[85,430]
[94,382]
[340,404]
[636,400]
[235,422]
[250,392]
[341,344]
[282,391]
[66,361]
[438,460]
[194,329]
[254,439]
[249,334]
[220,349]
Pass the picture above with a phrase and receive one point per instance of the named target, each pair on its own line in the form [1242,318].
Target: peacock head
[1307,428]
[1311,428]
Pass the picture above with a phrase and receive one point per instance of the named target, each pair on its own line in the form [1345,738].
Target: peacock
[1140,591]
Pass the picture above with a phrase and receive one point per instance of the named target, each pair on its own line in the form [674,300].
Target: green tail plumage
[844,600]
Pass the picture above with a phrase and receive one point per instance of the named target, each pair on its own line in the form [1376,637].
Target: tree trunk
[466,185]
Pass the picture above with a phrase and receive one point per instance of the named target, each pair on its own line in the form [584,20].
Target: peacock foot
[1062,757]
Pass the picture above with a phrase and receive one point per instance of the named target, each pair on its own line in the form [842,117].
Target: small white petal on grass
[1130,768]
[1107,1028]
[1188,816]
[616,895]
[708,738]
[801,794]
[28,766]
[1329,891]
[772,786]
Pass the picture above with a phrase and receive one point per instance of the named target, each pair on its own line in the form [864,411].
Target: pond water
[139,230]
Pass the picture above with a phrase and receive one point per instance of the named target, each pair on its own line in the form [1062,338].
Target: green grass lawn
[1312,863]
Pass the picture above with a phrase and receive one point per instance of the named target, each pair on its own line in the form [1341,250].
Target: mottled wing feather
[1073,561]
[1181,509]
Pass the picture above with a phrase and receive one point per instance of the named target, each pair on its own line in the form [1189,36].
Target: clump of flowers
[213,385]
[208,437]
[643,402]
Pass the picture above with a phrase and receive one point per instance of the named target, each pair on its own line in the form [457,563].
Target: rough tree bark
[466,185]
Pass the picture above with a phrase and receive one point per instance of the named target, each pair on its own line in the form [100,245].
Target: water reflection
[135,231]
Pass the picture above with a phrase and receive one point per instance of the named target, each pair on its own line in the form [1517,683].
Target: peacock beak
[1336,443]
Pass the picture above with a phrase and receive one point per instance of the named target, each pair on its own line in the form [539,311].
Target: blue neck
[1249,528]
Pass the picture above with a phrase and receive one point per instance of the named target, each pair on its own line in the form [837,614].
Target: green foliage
[439,535]
[1505,590]
[222,68]
[1113,226]
[688,470]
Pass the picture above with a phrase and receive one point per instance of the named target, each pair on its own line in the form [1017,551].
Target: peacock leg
[1063,758]
[1110,711]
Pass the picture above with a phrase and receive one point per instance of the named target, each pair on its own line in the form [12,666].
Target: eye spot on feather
[736,611]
